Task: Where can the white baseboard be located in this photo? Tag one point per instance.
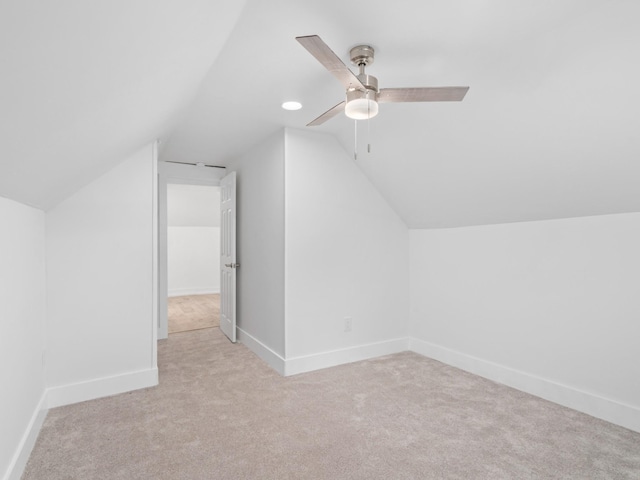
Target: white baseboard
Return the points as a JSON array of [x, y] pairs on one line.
[[101, 387], [274, 360], [28, 441], [308, 363], [181, 292], [612, 411]]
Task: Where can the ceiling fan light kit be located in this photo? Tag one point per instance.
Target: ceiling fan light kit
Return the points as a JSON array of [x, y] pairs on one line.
[[362, 92], [361, 105]]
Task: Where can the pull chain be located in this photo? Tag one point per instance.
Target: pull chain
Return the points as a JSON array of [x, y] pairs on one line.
[[369, 126], [355, 140]]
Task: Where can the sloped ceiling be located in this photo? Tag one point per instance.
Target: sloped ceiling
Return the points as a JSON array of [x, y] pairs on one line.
[[85, 82], [547, 130]]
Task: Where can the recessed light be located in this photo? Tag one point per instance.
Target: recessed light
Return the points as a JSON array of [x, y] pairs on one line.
[[292, 105]]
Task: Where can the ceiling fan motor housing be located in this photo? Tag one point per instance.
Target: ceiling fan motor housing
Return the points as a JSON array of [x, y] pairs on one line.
[[369, 81]]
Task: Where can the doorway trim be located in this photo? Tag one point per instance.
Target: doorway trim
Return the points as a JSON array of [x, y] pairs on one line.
[[183, 174]]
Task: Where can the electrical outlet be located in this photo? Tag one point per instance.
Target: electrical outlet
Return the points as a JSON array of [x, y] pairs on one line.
[[347, 324]]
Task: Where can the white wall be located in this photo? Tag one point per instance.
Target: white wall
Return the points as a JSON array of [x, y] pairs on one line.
[[193, 260], [99, 285], [193, 205], [193, 235], [549, 307], [346, 256], [260, 248], [22, 320]]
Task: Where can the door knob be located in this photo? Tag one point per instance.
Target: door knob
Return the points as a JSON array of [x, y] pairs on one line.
[[232, 265]]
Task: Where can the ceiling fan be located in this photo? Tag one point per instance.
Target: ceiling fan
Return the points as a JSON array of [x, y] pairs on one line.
[[362, 92]]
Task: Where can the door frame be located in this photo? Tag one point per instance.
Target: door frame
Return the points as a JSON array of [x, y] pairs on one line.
[[182, 174]]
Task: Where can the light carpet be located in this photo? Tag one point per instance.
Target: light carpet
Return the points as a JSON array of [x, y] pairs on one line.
[[192, 312], [221, 413]]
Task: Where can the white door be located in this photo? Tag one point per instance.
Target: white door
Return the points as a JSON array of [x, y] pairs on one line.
[[228, 263]]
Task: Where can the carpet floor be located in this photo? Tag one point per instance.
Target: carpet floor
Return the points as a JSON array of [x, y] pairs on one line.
[[192, 312], [221, 413]]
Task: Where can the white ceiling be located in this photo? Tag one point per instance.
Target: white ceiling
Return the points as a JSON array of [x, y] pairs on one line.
[[85, 82], [549, 128]]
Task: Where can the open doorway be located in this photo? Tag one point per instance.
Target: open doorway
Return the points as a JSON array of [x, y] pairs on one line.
[[170, 173], [193, 257]]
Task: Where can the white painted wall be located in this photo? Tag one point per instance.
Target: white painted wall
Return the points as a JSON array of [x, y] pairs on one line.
[[549, 307], [99, 285], [22, 320], [260, 247], [193, 236], [346, 255], [193, 205], [193, 260]]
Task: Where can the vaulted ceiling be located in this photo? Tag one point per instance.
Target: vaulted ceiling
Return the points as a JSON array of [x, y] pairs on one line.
[[85, 82], [547, 130]]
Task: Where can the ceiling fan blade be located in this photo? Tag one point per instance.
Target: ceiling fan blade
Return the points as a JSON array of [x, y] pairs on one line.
[[316, 47], [329, 114], [425, 94]]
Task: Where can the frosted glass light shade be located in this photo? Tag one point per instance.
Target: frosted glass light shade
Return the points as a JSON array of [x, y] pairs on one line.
[[361, 109], [361, 105]]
